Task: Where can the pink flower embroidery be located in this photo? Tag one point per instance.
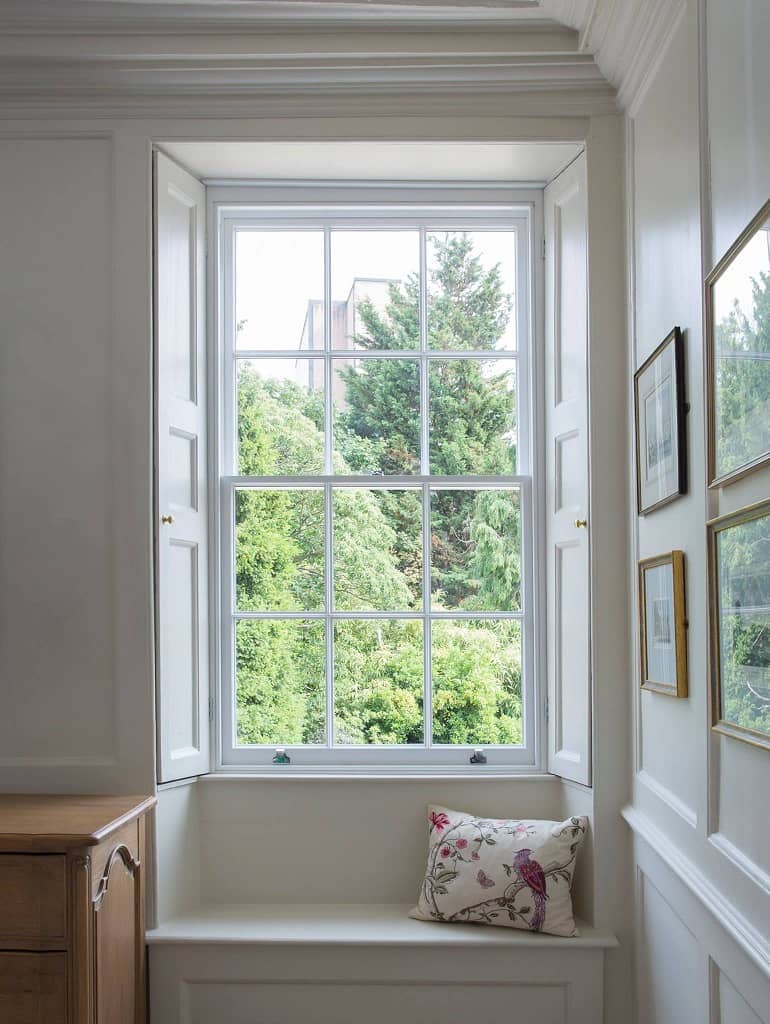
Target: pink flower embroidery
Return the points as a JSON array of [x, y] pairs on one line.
[[445, 851], [438, 820], [461, 844], [523, 830], [475, 856]]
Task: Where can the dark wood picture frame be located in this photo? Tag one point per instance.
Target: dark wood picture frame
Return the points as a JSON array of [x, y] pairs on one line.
[[674, 338], [714, 479], [714, 527], [676, 560]]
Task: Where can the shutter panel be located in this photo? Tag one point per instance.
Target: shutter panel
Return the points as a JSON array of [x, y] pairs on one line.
[[566, 379], [181, 490]]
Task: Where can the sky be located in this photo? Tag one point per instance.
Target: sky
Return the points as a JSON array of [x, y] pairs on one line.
[[735, 283], [277, 272]]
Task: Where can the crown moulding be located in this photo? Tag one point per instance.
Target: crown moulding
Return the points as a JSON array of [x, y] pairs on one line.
[[110, 51], [130, 15]]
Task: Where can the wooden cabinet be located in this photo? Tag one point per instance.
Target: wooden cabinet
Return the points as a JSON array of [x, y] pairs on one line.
[[72, 909]]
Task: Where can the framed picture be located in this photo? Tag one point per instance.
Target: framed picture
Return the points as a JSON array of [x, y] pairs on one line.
[[663, 624], [661, 448], [739, 623], [738, 355]]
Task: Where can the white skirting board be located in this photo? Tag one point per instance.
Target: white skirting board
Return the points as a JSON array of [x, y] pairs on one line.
[[353, 964]]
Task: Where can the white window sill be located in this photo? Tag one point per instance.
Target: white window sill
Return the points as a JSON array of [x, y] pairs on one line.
[[385, 775], [350, 924], [359, 775]]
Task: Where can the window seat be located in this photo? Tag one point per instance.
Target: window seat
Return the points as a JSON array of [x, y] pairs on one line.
[[348, 963], [341, 924]]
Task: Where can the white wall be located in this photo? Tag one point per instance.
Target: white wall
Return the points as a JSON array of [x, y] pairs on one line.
[[337, 841], [700, 801], [74, 482], [81, 688]]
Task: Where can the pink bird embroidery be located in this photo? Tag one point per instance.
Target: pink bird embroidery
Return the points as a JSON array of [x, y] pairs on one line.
[[532, 875]]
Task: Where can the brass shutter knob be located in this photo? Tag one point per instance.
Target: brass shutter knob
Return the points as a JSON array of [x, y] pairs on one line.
[[167, 520], [581, 524]]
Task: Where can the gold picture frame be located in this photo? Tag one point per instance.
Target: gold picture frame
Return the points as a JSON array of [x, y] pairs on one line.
[[719, 475], [663, 624], [746, 585]]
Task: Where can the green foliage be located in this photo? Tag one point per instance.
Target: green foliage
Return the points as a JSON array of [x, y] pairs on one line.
[[475, 535], [743, 426], [280, 696], [744, 572], [743, 380], [476, 682], [378, 682]]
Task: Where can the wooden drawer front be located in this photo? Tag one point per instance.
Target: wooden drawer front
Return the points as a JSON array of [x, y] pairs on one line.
[[33, 899], [33, 988]]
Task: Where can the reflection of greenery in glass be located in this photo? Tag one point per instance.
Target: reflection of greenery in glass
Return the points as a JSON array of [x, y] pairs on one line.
[[378, 681], [476, 681], [280, 689], [743, 380], [475, 535], [744, 598]]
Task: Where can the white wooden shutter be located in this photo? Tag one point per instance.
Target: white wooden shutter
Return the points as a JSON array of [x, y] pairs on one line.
[[568, 581], [181, 474]]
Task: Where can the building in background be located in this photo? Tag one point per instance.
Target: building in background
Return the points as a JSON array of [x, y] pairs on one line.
[[346, 327]]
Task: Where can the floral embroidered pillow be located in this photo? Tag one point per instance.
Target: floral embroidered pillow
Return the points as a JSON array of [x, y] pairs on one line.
[[517, 874]]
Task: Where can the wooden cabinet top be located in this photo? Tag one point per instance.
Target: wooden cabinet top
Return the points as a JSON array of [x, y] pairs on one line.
[[41, 822]]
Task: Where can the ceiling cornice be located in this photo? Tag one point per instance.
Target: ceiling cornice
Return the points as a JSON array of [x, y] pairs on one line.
[[626, 38], [110, 52], [217, 15]]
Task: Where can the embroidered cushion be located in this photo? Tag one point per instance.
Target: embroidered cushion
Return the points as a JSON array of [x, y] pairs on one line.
[[517, 874]]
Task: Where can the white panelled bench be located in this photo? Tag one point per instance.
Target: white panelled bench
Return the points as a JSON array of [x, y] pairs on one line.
[[366, 964]]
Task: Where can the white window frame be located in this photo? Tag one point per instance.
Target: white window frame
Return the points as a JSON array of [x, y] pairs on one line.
[[471, 207]]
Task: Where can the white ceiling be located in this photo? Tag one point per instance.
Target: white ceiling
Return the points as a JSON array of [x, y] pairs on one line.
[[375, 161]]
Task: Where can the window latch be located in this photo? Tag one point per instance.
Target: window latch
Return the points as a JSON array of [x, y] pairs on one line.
[[478, 756], [280, 756]]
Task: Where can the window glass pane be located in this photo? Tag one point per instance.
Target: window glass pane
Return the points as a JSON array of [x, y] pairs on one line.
[[280, 417], [280, 690], [476, 681], [377, 549], [378, 673], [471, 290], [375, 289], [472, 413], [279, 550], [376, 416], [475, 550], [279, 290]]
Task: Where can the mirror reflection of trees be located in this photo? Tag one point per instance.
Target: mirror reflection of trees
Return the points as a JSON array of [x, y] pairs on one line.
[[475, 534], [742, 340], [744, 577]]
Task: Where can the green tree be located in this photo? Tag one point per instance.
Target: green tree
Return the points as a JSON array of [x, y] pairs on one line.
[[471, 411], [279, 563], [475, 536], [743, 432], [743, 380]]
